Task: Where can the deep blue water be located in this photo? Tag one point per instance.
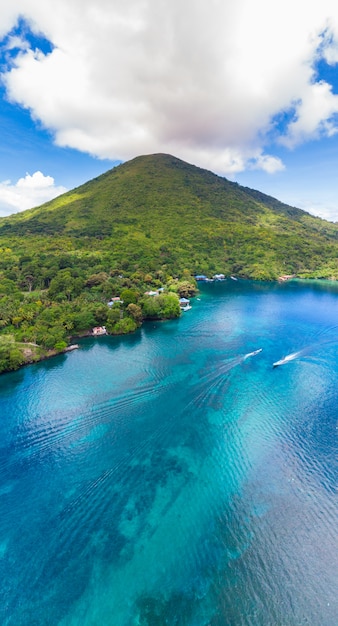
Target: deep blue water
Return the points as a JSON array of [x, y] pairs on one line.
[[164, 479]]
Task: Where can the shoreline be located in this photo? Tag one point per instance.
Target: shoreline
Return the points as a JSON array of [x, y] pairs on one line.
[[43, 357], [47, 354]]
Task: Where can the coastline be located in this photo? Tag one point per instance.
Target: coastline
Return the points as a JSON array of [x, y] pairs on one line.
[[31, 358], [41, 354]]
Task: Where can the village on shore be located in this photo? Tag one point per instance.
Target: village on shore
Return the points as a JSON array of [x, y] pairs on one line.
[[183, 301], [121, 314]]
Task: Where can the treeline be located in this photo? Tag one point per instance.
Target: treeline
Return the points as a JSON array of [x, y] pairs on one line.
[[44, 304], [150, 224], [56, 288]]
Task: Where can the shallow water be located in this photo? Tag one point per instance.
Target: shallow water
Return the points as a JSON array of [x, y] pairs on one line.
[[164, 478]]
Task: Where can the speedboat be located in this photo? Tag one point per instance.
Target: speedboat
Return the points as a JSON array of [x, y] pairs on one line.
[[253, 353], [286, 359]]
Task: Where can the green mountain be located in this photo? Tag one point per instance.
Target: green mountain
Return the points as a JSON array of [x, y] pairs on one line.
[[90, 257], [157, 211]]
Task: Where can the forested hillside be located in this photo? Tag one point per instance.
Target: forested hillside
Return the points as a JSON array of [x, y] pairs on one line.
[[153, 222]]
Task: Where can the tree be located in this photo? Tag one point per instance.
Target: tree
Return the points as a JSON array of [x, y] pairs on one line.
[[84, 320], [165, 306], [185, 289], [122, 327], [16, 357], [8, 287], [114, 314], [28, 282], [150, 307], [64, 286], [100, 313], [169, 306], [60, 346], [129, 296], [96, 279], [135, 311]]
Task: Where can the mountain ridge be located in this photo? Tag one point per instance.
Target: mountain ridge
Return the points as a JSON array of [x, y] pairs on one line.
[[157, 202], [123, 247]]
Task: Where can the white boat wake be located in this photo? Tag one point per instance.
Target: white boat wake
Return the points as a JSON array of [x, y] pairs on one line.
[[289, 357], [324, 339], [246, 356]]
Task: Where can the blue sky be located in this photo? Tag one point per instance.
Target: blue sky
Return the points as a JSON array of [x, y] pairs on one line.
[[240, 90]]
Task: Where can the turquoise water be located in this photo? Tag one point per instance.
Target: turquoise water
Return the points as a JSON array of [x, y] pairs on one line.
[[164, 478]]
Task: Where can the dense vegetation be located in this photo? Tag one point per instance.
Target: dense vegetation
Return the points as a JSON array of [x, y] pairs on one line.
[[151, 223]]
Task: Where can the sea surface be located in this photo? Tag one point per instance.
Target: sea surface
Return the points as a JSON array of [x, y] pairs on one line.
[[170, 478]]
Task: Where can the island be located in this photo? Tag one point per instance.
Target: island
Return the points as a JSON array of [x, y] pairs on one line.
[[132, 244]]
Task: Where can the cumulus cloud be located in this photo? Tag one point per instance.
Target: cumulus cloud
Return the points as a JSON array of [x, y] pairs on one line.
[[316, 115], [27, 192], [267, 163], [205, 80]]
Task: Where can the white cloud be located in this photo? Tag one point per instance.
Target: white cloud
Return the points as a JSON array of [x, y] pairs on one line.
[[315, 206], [315, 115], [202, 80], [27, 192], [267, 163], [16, 42], [328, 212]]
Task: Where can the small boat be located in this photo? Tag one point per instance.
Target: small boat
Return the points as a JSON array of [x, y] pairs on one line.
[[233, 278], [280, 362], [286, 359]]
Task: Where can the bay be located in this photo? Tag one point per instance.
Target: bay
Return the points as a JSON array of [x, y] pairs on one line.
[[170, 477]]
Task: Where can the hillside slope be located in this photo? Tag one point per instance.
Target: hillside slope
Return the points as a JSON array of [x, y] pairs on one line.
[[159, 211]]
